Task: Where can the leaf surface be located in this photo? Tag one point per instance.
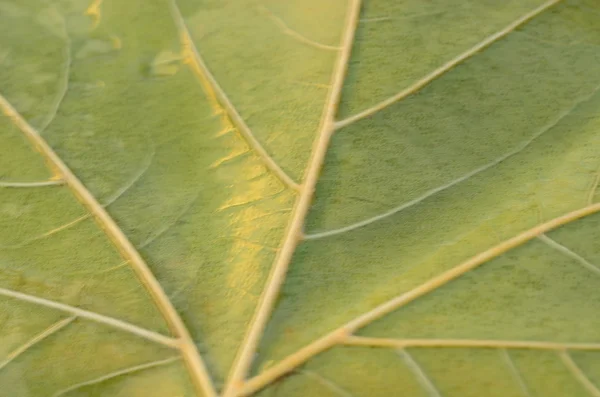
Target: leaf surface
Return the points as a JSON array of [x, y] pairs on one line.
[[341, 198]]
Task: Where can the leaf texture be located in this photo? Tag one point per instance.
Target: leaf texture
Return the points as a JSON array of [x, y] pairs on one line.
[[302, 198]]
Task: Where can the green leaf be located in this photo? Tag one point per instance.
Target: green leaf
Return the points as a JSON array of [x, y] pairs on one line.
[[302, 198]]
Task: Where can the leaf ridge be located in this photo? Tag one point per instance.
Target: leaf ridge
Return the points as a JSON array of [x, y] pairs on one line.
[[518, 149], [293, 234], [96, 317], [112, 375], [340, 334], [221, 102], [52, 329], [447, 66], [421, 375], [186, 344], [578, 374]]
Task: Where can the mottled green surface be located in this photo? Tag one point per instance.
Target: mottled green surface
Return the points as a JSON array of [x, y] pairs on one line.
[[504, 141]]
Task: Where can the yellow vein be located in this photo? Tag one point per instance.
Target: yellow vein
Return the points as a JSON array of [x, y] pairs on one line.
[[566, 251], [50, 182], [467, 343], [57, 326], [340, 334], [115, 374], [416, 369], [293, 234], [96, 317], [447, 66], [187, 346], [518, 149], [214, 90], [292, 33], [578, 373], [515, 371]]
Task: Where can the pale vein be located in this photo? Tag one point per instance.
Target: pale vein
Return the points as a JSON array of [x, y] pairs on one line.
[[62, 91], [419, 373], [96, 317], [456, 181], [578, 374], [326, 382], [57, 326], [566, 251], [515, 371], [296, 35], [112, 375], [447, 66]]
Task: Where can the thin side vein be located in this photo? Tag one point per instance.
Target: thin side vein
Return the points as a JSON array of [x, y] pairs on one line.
[[326, 382], [447, 66], [518, 149], [566, 251], [421, 375], [292, 33], [213, 89], [96, 317], [57, 326], [578, 374], [515, 371], [64, 85], [115, 374]]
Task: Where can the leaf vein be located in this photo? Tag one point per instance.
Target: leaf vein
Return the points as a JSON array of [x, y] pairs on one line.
[[57, 326], [421, 375], [96, 317], [293, 234], [516, 373], [221, 101], [186, 345], [578, 373], [115, 374], [518, 149], [566, 251], [447, 66], [294, 34], [326, 382], [340, 334], [50, 182]]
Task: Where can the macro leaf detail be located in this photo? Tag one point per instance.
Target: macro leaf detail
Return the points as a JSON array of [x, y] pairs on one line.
[[301, 198]]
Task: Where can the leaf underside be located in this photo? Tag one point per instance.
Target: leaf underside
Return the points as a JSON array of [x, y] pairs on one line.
[[449, 247]]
